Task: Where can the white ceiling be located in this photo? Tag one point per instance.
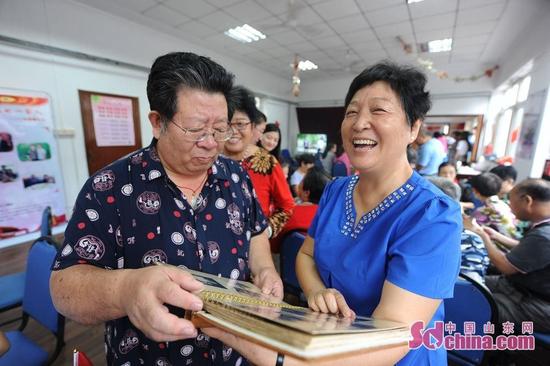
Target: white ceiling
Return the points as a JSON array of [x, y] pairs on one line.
[[341, 36]]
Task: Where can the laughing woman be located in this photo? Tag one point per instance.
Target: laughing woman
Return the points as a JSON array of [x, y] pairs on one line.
[[384, 243], [264, 169]]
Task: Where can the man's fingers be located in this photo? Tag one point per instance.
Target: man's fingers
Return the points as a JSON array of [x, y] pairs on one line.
[[278, 291], [173, 294], [164, 326], [184, 279]]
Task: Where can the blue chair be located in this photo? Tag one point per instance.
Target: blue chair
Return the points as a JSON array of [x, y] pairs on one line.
[[11, 288], [46, 224], [339, 169], [472, 302], [13, 284], [37, 303], [290, 246]]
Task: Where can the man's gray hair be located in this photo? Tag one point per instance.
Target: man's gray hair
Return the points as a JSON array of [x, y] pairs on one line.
[[448, 187]]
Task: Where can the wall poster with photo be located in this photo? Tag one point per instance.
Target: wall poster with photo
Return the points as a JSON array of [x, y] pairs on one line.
[[30, 174], [531, 124]]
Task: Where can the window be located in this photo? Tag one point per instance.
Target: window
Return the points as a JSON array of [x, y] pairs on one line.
[[524, 89], [508, 109]]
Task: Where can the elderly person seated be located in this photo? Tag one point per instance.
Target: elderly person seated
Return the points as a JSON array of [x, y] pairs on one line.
[[522, 292], [475, 260]]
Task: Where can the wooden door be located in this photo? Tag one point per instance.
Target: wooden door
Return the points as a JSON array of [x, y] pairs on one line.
[[115, 118]]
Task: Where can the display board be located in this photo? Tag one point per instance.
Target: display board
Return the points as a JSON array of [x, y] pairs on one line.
[[30, 174]]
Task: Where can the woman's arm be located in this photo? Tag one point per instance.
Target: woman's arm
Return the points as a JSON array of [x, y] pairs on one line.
[[282, 201], [319, 298], [306, 271], [4, 343]]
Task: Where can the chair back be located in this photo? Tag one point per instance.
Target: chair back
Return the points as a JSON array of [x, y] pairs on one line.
[[37, 301], [290, 246], [339, 169], [472, 302], [285, 155], [46, 223]]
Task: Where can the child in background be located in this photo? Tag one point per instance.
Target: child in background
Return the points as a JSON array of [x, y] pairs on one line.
[[305, 162], [309, 191], [447, 170]]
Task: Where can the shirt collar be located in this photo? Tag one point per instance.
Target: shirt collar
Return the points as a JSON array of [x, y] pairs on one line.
[[153, 169]]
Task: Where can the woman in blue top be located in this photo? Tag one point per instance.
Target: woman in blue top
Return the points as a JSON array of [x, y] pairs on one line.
[[384, 243]]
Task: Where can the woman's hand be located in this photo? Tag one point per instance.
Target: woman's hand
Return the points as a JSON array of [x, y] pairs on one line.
[[329, 300]]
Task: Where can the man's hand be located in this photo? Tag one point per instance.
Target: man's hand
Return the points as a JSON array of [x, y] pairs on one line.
[[493, 234], [471, 224], [269, 281], [144, 293], [329, 300]]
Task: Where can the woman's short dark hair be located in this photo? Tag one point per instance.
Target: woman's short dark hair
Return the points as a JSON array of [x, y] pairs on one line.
[[314, 182], [260, 117], [406, 81], [178, 70], [272, 127], [487, 184], [505, 172], [538, 189], [242, 100]]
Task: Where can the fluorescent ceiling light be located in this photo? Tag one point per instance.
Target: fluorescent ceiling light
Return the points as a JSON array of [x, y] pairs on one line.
[[440, 45], [245, 34], [414, 1], [307, 65]]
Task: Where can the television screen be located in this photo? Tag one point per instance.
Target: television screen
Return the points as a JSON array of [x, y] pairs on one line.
[[311, 143]]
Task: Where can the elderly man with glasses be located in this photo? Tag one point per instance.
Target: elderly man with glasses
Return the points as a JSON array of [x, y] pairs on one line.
[[176, 202]]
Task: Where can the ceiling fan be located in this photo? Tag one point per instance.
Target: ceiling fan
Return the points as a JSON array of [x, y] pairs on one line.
[[291, 20], [352, 65]]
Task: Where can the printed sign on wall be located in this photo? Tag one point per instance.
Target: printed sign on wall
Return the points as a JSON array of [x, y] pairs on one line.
[[30, 175]]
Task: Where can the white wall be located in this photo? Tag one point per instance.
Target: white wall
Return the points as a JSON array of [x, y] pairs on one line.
[[533, 45], [277, 111], [77, 27], [448, 97]]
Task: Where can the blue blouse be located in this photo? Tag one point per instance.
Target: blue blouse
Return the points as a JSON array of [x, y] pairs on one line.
[[131, 215], [411, 239]]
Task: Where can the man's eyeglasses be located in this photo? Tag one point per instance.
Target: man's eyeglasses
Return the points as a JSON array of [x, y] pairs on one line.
[[200, 134]]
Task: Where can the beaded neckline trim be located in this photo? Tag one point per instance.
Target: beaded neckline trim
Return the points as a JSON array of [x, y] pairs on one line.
[[348, 228]]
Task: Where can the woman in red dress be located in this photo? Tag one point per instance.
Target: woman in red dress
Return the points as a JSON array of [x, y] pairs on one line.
[[268, 179]]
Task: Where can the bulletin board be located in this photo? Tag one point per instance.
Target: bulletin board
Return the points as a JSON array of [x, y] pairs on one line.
[[30, 174], [111, 127]]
